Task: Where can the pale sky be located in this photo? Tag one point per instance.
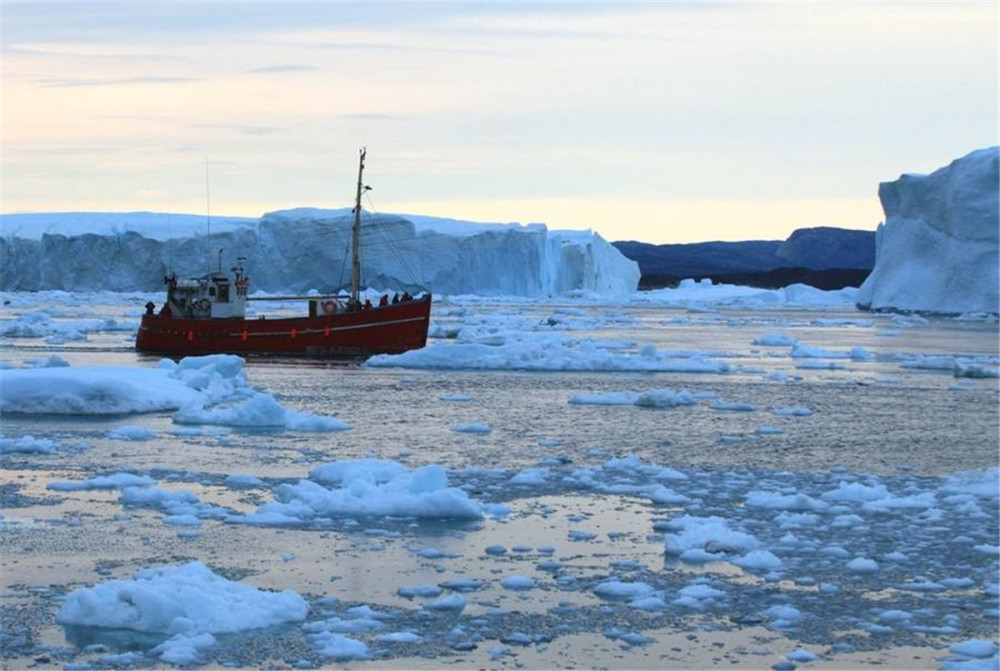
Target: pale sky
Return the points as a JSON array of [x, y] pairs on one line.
[[655, 121]]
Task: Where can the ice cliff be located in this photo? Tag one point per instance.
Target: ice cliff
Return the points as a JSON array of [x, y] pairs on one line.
[[938, 250], [302, 249]]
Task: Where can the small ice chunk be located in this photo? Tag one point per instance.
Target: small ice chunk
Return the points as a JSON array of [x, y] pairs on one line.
[[802, 655], [862, 565], [793, 412], [335, 646], [136, 433], [400, 637], [774, 340], [974, 647], [452, 603], [474, 427], [423, 591], [517, 582], [758, 560], [614, 589], [456, 398], [733, 406], [119, 480]]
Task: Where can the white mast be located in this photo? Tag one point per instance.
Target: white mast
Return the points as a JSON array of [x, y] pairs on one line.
[[356, 246]]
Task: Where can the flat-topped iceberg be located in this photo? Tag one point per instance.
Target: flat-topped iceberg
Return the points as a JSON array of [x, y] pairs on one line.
[[302, 249]]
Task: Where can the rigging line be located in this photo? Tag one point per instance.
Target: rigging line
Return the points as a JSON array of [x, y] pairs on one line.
[[343, 267], [208, 222], [394, 247]]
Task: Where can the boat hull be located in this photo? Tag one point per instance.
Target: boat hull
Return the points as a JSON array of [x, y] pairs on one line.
[[390, 329]]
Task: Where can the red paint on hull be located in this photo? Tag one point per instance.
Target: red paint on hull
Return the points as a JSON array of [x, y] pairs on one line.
[[390, 329]]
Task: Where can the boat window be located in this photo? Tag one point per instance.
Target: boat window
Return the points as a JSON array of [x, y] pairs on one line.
[[223, 293], [211, 291]]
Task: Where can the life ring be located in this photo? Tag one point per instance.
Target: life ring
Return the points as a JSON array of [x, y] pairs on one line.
[[329, 307], [204, 305]]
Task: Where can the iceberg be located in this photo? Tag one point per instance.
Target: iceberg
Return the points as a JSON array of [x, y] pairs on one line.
[[939, 248], [305, 248]]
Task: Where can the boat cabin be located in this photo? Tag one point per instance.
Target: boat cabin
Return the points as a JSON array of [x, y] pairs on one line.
[[213, 296]]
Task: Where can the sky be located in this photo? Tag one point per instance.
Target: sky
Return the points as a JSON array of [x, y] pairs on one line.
[[653, 121]]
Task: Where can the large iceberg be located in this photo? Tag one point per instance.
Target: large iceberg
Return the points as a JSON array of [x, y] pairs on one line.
[[303, 249], [938, 248]]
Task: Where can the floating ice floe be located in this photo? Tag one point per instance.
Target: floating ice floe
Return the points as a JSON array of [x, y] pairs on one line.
[[704, 292], [369, 488], [260, 411], [793, 412], [774, 340], [136, 433], [733, 406], [698, 596], [705, 538], [615, 589], [960, 366], [546, 352], [188, 602], [27, 445], [114, 481], [472, 428], [758, 560], [800, 351], [43, 324], [110, 390], [654, 398], [456, 398], [54, 361], [517, 582]]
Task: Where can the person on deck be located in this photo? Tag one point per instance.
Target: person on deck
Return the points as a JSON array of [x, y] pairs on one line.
[[384, 301], [368, 304], [395, 298], [406, 297]]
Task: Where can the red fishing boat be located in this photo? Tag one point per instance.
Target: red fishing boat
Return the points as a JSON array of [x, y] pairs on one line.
[[207, 315]]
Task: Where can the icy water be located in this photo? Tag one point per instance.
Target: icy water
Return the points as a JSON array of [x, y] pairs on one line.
[[880, 555]]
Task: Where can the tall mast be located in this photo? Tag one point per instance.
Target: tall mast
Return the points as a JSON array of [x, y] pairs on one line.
[[356, 242]]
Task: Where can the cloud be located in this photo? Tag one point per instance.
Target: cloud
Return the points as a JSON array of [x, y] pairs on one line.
[[369, 116], [123, 81], [282, 68], [44, 51], [389, 47], [240, 128]]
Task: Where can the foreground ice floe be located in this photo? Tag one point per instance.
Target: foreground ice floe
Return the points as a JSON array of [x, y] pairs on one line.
[[107, 390], [202, 389], [368, 488], [189, 603], [27, 445]]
